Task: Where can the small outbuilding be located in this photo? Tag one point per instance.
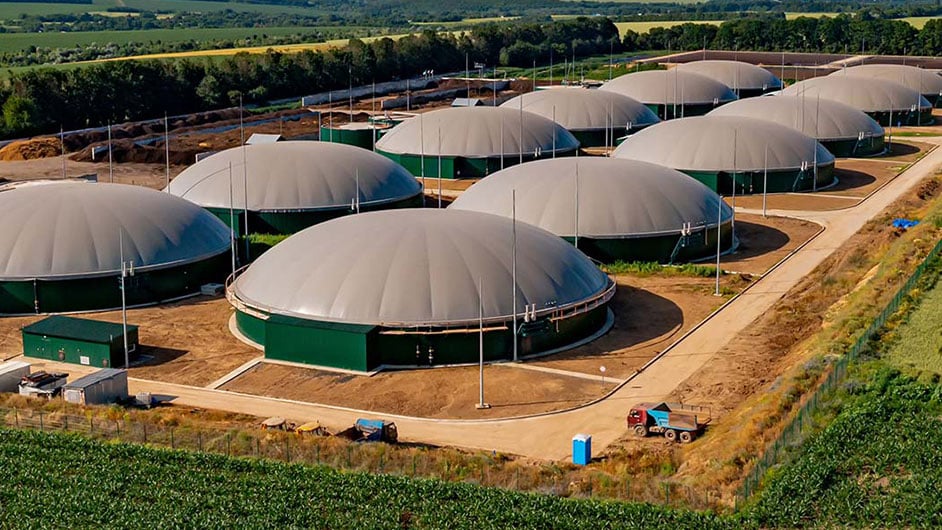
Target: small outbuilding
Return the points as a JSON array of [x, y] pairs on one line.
[[882, 100], [841, 129], [79, 341], [473, 142], [672, 93], [359, 134], [595, 117], [624, 209], [746, 80], [926, 82], [105, 386], [730, 153]]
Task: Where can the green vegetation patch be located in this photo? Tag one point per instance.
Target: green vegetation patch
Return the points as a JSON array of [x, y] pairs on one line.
[[89, 484], [648, 268], [878, 463], [918, 344]]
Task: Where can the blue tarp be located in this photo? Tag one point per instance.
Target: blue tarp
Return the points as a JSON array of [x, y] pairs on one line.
[[899, 222]]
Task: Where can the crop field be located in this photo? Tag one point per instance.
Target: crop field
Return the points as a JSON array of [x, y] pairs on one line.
[[12, 42], [919, 22], [878, 462], [916, 22], [11, 10], [118, 485], [917, 346], [643, 27], [466, 22]]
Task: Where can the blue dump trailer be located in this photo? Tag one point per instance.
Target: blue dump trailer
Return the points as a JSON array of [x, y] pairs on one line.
[[677, 421]]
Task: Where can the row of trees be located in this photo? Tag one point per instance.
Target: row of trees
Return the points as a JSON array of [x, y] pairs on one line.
[[840, 34], [41, 100]]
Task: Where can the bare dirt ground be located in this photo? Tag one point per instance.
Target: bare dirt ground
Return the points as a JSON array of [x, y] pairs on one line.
[[763, 242], [857, 178], [433, 393], [187, 342]]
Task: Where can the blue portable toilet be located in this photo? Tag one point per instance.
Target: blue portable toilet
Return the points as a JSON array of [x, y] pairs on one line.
[[581, 449]]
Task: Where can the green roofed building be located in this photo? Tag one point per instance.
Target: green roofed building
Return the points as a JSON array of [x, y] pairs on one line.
[[290, 186], [400, 288], [473, 142], [595, 117], [79, 341], [628, 210], [841, 129], [672, 93], [727, 151], [62, 244]]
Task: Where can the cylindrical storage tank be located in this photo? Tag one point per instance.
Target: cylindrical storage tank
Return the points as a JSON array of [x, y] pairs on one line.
[[358, 134], [841, 129], [595, 117], [473, 142], [722, 150], [672, 93], [879, 98], [746, 80], [400, 288], [62, 245], [293, 185], [627, 210], [926, 82]]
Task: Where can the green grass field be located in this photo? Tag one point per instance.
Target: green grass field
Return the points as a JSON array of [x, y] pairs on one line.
[[918, 344], [12, 42], [916, 22], [11, 10], [643, 27]]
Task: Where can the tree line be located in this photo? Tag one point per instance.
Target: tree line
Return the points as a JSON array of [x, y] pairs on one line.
[[42, 100], [860, 33]]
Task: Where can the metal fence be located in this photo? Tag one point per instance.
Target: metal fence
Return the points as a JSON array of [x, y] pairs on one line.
[[793, 433]]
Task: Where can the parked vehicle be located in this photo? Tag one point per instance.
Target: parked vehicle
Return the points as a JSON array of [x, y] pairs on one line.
[[677, 421], [371, 431]]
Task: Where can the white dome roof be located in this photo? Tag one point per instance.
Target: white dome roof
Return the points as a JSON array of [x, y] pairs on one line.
[[670, 86], [580, 109], [823, 119]]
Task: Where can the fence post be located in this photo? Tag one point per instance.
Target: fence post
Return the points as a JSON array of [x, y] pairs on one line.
[[317, 453], [42, 427], [117, 427], [172, 445], [144, 425], [257, 446], [65, 422], [287, 449], [199, 440], [91, 425], [228, 444], [414, 456], [16, 418]]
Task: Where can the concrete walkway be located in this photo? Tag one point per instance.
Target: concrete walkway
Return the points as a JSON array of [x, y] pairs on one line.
[[549, 436]]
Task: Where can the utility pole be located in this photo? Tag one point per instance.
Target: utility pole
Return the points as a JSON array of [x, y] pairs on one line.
[[167, 148], [481, 404], [125, 265], [232, 224], [62, 148], [765, 181], [110, 158], [513, 216], [719, 239]]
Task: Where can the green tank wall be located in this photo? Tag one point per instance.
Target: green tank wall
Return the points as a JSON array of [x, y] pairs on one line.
[[750, 182], [661, 249], [92, 294], [358, 137], [870, 146], [687, 110], [365, 348], [460, 167], [923, 117], [291, 222], [72, 350]]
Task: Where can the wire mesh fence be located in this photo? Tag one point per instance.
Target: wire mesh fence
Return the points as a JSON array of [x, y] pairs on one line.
[[794, 432]]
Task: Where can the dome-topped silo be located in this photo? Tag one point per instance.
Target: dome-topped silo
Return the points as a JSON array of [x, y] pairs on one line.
[[672, 93], [746, 80]]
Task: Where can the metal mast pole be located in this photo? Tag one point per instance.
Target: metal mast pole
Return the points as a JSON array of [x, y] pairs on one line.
[[719, 238], [110, 158], [513, 216], [124, 307], [765, 181], [62, 147], [373, 115], [520, 140], [576, 220], [439, 165], [502, 140], [167, 148], [735, 168], [356, 198], [245, 198], [232, 238], [422, 154], [481, 404], [554, 132]]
